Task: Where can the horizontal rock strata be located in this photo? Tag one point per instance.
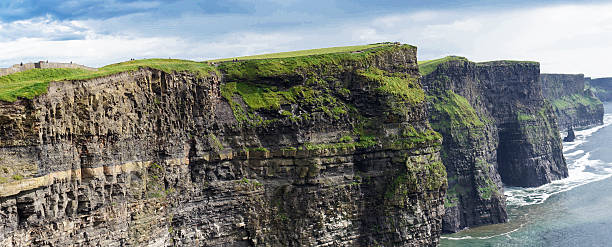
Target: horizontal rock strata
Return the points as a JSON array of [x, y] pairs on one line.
[[574, 104], [312, 151]]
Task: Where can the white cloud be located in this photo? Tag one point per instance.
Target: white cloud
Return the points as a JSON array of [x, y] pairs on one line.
[[564, 38]]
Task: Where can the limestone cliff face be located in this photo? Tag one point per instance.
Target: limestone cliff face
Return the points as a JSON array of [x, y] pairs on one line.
[[317, 152], [575, 106], [529, 152], [496, 127], [475, 195], [602, 87]]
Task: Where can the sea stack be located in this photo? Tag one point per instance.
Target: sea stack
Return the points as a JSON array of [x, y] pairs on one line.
[[570, 135]]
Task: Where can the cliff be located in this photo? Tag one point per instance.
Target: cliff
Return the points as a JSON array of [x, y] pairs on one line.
[[602, 87], [575, 106], [496, 127], [325, 150]]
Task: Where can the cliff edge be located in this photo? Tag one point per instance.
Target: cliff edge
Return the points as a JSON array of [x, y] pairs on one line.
[[332, 149]]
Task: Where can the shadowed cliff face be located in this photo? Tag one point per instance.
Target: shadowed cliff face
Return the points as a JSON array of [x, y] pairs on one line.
[[574, 105], [314, 151], [529, 153], [496, 127], [459, 112]]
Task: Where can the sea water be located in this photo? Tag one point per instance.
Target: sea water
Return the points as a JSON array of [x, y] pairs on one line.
[[576, 211]]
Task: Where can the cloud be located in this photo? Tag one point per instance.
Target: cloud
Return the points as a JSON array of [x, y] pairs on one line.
[[43, 27], [564, 38]]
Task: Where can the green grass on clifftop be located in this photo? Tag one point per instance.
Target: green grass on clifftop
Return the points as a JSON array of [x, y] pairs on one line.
[[34, 82], [574, 100], [31, 83], [428, 66], [507, 62], [288, 68], [341, 49]]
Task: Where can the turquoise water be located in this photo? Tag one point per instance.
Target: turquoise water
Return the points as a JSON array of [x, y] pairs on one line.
[[576, 211]]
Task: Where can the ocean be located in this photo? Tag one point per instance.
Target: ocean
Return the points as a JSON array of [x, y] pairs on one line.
[[576, 211]]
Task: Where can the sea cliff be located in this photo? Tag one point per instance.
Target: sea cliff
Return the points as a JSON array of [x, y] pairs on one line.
[[497, 128], [324, 150], [574, 104]]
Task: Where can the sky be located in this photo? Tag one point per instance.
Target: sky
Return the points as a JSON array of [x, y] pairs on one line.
[[564, 36]]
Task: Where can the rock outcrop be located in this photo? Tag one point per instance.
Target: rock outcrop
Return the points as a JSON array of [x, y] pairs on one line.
[[570, 136], [575, 106], [496, 127], [329, 150], [602, 87]]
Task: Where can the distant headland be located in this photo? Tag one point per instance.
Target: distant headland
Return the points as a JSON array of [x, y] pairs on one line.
[[40, 65]]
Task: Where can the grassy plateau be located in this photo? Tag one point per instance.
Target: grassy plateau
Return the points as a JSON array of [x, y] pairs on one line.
[[31, 83], [301, 53], [34, 82]]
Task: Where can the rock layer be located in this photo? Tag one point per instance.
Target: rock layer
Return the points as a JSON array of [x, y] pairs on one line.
[[319, 151], [496, 127], [575, 106], [529, 153]]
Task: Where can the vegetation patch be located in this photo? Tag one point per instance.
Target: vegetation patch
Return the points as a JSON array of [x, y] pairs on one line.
[[214, 142], [341, 49], [155, 187], [31, 83], [363, 142], [411, 138], [293, 69], [489, 189], [507, 62], [429, 66], [436, 175], [402, 85], [452, 197], [573, 100], [397, 187], [258, 97], [453, 110], [259, 149], [522, 116]]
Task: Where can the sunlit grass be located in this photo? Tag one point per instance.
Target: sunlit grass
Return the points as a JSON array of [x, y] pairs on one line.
[[303, 52], [34, 82], [31, 83]]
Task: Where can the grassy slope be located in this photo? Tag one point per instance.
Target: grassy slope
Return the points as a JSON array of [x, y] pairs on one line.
[[426, 67], [31, 83], [301, 53], [574, 100]]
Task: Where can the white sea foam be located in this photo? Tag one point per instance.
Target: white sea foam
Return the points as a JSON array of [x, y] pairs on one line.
[[507, 234], [581, 168], [572, 154], [582, 135]]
